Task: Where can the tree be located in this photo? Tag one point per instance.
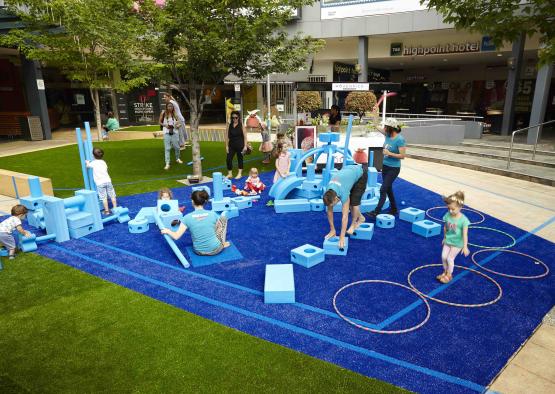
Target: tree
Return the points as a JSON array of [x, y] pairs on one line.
[[92, 41], [197, 43], [308, 101], [360, 102], [503, 20]]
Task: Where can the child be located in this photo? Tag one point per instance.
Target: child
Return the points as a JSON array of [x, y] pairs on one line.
[[455, 238], [283, 162], [253, 184], [9, 225], [102, 179], [165, 193], [281, 138]]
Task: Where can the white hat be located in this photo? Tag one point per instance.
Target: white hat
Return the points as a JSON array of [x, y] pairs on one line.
[[253, 112], [392, 122]]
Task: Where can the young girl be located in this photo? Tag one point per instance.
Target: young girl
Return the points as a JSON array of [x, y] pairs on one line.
[[455, 238], [10, 224], [283, 162]]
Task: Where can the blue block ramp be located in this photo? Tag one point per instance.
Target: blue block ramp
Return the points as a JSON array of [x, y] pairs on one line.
[[230, 253]]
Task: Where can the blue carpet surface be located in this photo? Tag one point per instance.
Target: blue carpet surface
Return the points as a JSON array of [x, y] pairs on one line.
[[458, 350], [228, 254]]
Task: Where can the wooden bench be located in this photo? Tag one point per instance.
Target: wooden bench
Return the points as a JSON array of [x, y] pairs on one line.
[[21, 187]]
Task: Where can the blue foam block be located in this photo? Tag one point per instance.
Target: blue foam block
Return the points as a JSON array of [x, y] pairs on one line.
[[226, 184], [138, 225], [122, 214], [317, 205], [329, 137], [307, 255], [222, 205], [242, 202], [426, 228], [82, 231], [79, 219], [311, 185], [372, 177], [293, 205], [167, 206], [279, 284], [31, 203], [369, 193], [147, 213], [228, 254], [299, 192], [412, 215], [368, 205], [36, 219], [331, 246], [385, 221], [232, 213], [168, 217], [27, 244], [364, 231]]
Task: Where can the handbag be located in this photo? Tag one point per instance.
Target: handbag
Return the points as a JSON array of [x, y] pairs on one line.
[[248, 150]]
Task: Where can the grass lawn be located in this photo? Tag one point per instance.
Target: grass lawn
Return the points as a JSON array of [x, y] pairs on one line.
[[66, 331], [141, 128], [135, 166]]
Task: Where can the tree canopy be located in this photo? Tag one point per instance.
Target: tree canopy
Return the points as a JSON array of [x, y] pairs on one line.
[[503, 20]]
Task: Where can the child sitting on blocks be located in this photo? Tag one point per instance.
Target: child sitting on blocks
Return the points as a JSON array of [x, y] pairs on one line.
[[9, 225], [165, 193], [102, 180]]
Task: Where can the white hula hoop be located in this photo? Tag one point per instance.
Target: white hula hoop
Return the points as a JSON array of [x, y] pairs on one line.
[[463, 208], [454, 303], [508, 275], [382, 331]]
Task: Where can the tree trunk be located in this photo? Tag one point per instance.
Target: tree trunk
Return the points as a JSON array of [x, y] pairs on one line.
[[195, 119], [96, 103]]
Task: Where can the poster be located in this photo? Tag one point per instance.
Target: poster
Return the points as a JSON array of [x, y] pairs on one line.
[[335, 9], [305, 137]]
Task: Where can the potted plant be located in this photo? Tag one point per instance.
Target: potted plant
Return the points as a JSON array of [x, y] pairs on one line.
[[360, 102]]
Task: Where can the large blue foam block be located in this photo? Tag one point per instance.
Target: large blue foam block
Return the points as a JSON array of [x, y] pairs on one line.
[[31, 203], [317, 205], [242, 202], [312, 185], [412, 215], [364, 231], [224, 204], [293, 205], [81, 231], [331, 246], [329, 137], [138, 225], [167, 206], [307, 255], [372, 177], [385, 221], [426, 228], [279, 284], [79, 219], [147, 213]]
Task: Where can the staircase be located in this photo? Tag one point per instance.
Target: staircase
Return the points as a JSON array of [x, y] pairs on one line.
[[491, 156]]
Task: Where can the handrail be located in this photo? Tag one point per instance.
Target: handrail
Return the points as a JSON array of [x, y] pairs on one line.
[[434, 115], [540, 125]]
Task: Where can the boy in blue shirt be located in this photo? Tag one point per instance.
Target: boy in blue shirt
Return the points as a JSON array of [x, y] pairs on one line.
[[347, 186]]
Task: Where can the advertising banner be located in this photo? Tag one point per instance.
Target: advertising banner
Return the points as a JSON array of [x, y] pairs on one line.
[[336, 9]]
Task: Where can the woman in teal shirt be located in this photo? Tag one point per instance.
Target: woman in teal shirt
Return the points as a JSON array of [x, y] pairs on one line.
[[112, 124], [393, 152]]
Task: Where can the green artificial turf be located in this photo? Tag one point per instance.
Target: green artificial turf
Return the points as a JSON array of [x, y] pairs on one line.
[[139, 162], [64, 331], [140, 128]]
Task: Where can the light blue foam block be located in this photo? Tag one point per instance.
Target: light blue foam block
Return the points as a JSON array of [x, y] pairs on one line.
[[311, 185], [293, 205], [228, 254], [329, 137], [364, 231], [372, 177], [279, 284], [317, 205], [307, 255], [79, 219], [426, 228], [167, 206], [147, 213], [224, 204], [331, 246], [138, 225], [385, 221], [242, 202], [412, 215], [81, 231], [31, 203]]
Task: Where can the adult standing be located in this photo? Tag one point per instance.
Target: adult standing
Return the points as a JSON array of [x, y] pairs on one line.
[[335, 118], [235, 144], [253, 123], [347, 186], [170, 124], [182, 133], [394, 150]]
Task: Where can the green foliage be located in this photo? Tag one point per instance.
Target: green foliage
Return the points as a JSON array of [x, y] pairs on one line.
[[504, 20], [308, 101], [360, 102]]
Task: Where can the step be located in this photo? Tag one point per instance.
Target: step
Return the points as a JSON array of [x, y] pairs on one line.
[[505, 146], [492, 153], [527, 172]]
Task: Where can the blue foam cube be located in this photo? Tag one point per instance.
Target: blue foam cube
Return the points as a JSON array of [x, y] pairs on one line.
[[329, 137], [167, 206], [372, 177], [242, 202], [385, 221], [292, 205], [122, 213], [331, 246], [369, 193], [299, 192], [307, 255], [426, 228], [147, 213], [138, 225], [31, 203], [279, 284], [317, 205], [364, 231], [226, 184], [312, 185], [412, 215], [222, 205], [81, 231], [27, 244], [368, 205], [79, 219], [168, 218]]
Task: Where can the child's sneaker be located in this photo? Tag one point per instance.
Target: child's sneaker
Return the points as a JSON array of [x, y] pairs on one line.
[[179, 161], [11, 257]]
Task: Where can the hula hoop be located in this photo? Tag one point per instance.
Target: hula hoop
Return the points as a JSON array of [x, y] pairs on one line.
[[454, 303], [463, 209], [513, 242], [382, 331], [508, 275]]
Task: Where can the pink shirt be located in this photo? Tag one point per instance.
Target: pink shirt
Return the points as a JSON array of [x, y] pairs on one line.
[[282, 164]]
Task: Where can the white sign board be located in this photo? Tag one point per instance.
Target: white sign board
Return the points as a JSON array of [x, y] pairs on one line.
[[280, 107], [40, 84], [349, 86], [237, 87], [336, 9]]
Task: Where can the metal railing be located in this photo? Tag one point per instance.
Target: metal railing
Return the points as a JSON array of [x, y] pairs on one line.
[[540, 127]]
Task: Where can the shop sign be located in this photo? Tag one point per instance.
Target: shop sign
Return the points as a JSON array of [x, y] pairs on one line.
[[349, 87], [463, 47], [344, 72], [487, 44], [396, 49]]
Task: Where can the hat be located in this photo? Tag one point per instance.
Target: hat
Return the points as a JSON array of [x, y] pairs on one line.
[[392, 122], [253, 112]]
